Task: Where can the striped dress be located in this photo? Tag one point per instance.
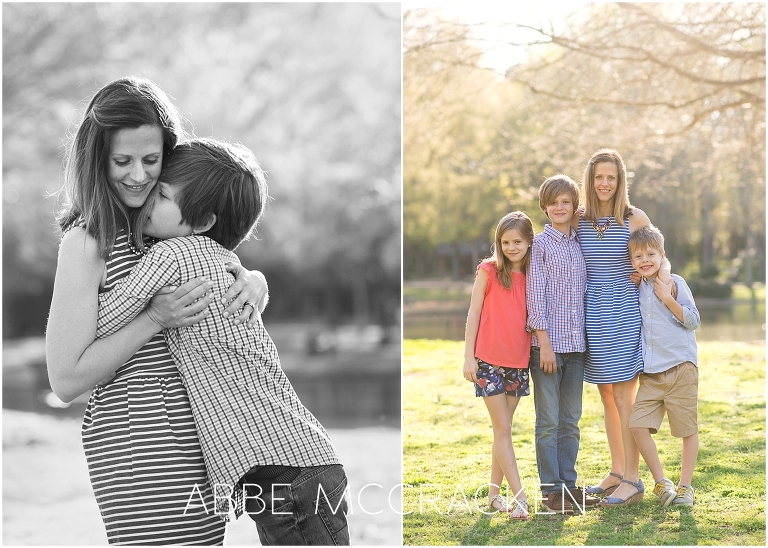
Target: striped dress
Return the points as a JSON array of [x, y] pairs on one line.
[[612, 310], [144, 457]]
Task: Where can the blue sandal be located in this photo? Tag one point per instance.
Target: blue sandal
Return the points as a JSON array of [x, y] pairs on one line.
[[596, 490], [615, 501]]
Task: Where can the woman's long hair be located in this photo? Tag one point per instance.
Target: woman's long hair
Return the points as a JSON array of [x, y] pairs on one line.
[[517, 220], [621, 206], [126, 103]]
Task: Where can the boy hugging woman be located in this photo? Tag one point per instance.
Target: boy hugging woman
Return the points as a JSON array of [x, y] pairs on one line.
[[527, 322]]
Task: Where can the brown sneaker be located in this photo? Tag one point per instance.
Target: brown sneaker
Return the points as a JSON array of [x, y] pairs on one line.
[[582, 498], [555, 503]]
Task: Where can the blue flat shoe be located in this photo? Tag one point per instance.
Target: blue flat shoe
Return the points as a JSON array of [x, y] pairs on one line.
[[596, 490], [615, 501]]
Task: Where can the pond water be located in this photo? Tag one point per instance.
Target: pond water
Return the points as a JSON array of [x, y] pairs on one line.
[[735, 322]]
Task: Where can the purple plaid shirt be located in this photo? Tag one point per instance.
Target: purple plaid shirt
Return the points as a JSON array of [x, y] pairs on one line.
[[554, 290]]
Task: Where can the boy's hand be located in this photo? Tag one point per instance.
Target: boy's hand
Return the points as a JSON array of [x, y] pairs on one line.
[[470, 369], [663, 290], [181, 306], [666, 277], [250, 287], [547, 359]]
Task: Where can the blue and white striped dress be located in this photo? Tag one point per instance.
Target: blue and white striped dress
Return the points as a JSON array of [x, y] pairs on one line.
[[612, 310], [141, 445]]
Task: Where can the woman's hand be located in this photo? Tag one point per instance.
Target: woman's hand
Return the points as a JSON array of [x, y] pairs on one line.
[[250, 287], [181, 306], [470, 369]]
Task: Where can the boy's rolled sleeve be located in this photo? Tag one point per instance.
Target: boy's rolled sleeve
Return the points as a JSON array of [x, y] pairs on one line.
[[691, 318], [536, 289]]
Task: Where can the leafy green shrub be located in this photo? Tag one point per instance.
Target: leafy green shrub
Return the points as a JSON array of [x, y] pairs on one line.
[[711, 288]]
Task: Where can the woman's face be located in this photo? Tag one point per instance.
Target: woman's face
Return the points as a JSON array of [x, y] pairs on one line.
[[135, 161], [606, 180]]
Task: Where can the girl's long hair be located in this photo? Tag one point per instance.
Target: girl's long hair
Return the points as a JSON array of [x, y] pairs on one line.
[[517, 220], [87, 196], [621, 206]]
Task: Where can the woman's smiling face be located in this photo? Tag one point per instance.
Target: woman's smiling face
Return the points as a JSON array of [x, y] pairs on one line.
[[606, 181], [135, 161]]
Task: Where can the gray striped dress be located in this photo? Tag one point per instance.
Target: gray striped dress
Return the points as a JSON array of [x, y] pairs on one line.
[[144, 457], [611, 307]]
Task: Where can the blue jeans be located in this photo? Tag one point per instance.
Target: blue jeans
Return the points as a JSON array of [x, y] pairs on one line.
[[557, 402], [302, 514]]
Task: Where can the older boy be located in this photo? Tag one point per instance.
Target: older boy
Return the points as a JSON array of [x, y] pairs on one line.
[[555, 286], [670, 377], [263, 449]]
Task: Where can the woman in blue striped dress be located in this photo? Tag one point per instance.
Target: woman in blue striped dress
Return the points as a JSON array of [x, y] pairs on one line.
[[614, 355], [144, 458]]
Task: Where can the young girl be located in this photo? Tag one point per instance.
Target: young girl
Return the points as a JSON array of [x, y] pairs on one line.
[[497, 349]]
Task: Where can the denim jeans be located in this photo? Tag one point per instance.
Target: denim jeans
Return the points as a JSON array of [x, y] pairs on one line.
[[303, 514], [557, 402]]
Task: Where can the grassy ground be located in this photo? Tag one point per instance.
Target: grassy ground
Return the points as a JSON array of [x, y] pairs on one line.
[[449, 290], [446, 451]]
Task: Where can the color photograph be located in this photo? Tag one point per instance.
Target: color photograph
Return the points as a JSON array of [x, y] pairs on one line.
[[584, 274]]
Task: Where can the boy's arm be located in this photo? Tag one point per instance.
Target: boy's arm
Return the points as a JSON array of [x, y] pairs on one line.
[[536, 302], [683, 307], [130, 295]]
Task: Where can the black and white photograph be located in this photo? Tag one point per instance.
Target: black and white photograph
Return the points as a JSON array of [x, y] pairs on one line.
[[201, 273]]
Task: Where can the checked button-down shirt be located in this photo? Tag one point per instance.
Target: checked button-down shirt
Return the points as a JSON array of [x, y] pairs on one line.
[[245, 409], [554, 290]]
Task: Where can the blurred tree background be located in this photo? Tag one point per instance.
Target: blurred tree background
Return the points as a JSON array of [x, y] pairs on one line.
[[312, 89], [678, 89]]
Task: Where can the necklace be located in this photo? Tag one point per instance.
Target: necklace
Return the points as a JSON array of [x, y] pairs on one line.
[[600, 229], [148, 243]]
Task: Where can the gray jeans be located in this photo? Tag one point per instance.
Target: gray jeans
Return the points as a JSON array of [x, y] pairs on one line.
[[311, 511]]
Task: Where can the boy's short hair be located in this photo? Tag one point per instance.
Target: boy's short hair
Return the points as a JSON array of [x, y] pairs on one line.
[[645, 237], [216, 177], [554, 187]]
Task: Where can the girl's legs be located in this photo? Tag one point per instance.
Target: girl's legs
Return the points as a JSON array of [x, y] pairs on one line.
[[613, 432], [624, 398], [501, 408]]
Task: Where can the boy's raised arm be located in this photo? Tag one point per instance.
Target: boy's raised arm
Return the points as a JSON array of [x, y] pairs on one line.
[[683, 307], [131, 295]]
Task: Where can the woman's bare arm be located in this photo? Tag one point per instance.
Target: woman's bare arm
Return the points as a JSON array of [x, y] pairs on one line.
[[77, 362]]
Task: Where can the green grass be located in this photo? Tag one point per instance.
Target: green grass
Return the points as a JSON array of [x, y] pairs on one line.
[[413, 294], [447, 441], [453, 292], [742, 293]]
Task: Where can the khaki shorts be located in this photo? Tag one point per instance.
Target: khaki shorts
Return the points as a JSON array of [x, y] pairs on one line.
[[675, 391]]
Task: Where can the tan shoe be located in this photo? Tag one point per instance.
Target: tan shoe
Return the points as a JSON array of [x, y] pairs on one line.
[[665, 490], [684, 496]]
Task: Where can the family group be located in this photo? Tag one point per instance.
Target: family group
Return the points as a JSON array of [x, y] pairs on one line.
[[590, 298]]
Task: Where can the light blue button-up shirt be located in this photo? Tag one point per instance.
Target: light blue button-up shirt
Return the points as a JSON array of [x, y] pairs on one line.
[[666, 341]]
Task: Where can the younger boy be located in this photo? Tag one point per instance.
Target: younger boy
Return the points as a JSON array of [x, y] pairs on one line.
[[263, 449], [670, 376], [555, 286]]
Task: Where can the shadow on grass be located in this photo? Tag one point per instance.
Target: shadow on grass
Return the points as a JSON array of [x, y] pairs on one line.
[[646, 523], [540, 529]]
